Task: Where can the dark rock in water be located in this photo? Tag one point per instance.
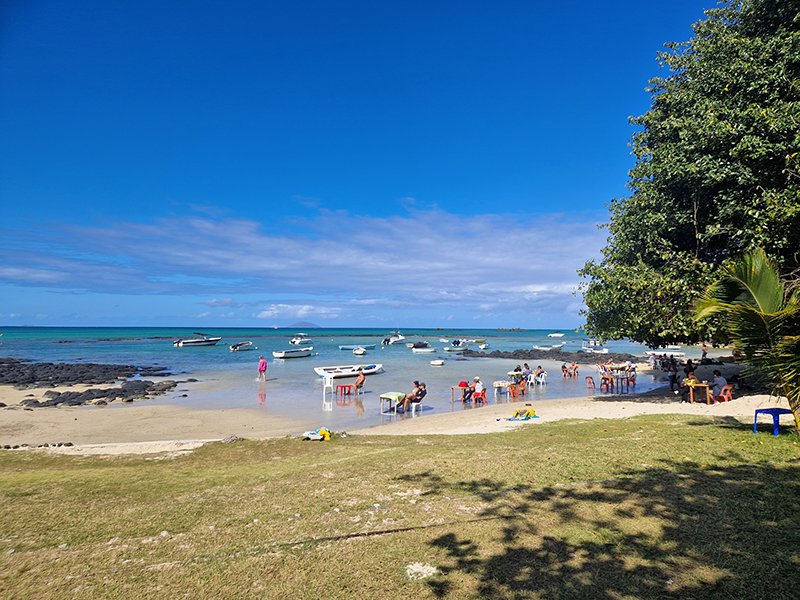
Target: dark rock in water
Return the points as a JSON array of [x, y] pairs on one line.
[[25, 375], [2, 405], [582, 358]]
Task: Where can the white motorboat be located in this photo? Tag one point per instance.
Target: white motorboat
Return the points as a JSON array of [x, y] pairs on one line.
[[417, 345], [294, 353], [300, 339], [203, 340], [594, 347], [437, 363], [394, 337], [354, 346], [241, 346], [454, 348], [425, 350], [555, 334], [347, 370], [483, 346], [359, 351], [549, 348]]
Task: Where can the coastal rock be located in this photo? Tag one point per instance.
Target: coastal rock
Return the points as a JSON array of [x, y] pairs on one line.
[[26, 374], [232, 438]]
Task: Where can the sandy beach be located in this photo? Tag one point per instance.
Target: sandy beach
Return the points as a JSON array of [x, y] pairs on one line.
[[146, 427]]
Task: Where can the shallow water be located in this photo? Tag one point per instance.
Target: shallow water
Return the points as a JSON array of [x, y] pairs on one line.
[[228, 379]]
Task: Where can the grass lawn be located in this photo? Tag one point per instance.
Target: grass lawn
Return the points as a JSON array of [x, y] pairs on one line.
[[646, 507]]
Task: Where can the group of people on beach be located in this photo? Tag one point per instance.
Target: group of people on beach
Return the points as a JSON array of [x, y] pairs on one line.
[[569, 371]]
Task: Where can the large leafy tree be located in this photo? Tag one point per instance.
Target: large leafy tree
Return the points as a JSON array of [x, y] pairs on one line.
[[762, 315], [717, 173]]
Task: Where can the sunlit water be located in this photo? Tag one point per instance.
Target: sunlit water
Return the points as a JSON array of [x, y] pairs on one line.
[[228, 379]]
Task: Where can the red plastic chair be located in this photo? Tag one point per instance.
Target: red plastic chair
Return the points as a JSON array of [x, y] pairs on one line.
[[480, 396], [725, 394]]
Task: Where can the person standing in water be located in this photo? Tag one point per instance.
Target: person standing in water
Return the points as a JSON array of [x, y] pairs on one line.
[[262, 369]]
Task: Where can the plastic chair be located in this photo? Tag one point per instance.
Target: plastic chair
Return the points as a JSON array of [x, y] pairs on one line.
[[725, 394], [512, 391], [480, 396]]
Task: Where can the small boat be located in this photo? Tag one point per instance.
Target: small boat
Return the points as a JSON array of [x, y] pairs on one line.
[[203, 340], [423, 350], [437, 363], [454, 348], [354, 346], [594, 347], [444, 340], [461, 344], [359, 351], [417, 345], [556, 347], [394, 337], [300, 339], [483, 346], [295, 353], [241, 346], [476, 341], [672, 347], [347, 370], [556, 334]]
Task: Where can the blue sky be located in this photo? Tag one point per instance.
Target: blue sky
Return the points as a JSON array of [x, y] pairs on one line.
[[242, 163]]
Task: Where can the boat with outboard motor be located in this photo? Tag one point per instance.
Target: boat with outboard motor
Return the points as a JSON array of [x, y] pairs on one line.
[[203, 340], [294, 353], [241, 346], [394, 337], [300, 339], [593, 347], [354, 346]]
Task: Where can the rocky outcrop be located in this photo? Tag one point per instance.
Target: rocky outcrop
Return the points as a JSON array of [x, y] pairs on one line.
[[24, 374], [129, 391], [18, 372]]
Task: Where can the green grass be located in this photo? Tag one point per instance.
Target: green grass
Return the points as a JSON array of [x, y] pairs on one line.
[[647, 507]]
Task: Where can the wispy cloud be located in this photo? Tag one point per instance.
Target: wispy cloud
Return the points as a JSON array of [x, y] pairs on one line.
[[344, 264]]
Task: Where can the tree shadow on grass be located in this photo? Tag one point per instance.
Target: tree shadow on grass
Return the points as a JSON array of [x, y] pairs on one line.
[[728, 533]]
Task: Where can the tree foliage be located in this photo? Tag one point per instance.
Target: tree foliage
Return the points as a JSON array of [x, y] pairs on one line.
[[717, 173], [762, 315]]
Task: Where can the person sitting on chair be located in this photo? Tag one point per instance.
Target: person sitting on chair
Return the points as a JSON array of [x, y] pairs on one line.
[[719, 383], [475, 387], [686, 388], [417, 397], [359, 381]]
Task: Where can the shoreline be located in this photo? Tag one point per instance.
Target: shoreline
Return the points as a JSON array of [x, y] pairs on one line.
[[146, 427]]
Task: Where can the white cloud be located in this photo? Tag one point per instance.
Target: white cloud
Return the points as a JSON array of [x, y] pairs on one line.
[[341, 265]]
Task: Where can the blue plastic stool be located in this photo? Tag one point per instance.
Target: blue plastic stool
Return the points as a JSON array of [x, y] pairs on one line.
[[776, 413]]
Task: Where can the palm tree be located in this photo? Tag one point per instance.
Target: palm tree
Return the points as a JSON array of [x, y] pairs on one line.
[[762, 316]]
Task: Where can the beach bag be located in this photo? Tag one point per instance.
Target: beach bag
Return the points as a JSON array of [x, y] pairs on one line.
[[463, 384]]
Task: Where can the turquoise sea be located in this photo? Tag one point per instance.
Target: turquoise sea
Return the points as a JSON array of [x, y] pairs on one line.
[[228, 379]]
